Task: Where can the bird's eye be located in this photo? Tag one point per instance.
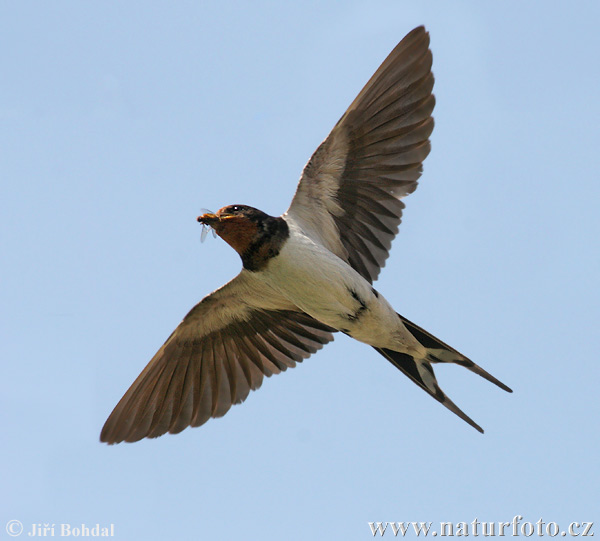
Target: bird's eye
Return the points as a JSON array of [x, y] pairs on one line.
[[235, 208]]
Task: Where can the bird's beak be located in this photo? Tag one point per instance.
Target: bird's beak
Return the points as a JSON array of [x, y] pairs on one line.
[[208, 219]]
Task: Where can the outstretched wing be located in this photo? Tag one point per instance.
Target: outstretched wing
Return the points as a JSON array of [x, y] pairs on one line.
[[220, 352], [350, 190]]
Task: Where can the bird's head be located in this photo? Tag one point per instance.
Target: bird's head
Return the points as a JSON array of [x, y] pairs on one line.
[[237, 225]]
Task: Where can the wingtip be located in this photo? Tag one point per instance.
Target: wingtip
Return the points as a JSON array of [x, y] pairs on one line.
[[102, 438], [418, 29], [108, 441]]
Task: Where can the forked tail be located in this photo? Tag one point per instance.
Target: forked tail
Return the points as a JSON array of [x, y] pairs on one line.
[[420, 371]]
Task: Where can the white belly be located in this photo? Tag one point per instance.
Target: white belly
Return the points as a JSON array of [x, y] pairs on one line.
[[331, 291]]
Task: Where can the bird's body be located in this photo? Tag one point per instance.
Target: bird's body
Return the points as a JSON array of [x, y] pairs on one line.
[[324, 286], [308, 273]]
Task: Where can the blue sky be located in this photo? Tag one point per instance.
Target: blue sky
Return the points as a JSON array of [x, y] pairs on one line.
[[120, 121]]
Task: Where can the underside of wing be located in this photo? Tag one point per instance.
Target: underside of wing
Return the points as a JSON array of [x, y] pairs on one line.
[[350, 190], [219, 353]]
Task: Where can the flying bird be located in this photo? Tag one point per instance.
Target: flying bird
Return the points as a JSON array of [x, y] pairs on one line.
[[308, 273]]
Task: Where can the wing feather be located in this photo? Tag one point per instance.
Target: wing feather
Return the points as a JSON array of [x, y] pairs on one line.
[[349, 193], [221, 350]]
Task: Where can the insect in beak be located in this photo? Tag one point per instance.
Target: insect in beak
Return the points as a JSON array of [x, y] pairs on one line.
[[205, 219]]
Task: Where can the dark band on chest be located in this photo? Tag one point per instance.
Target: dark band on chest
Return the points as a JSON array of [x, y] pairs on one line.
[[272, 234]]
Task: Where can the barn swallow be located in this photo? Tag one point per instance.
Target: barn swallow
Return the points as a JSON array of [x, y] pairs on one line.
[[308, 273]]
